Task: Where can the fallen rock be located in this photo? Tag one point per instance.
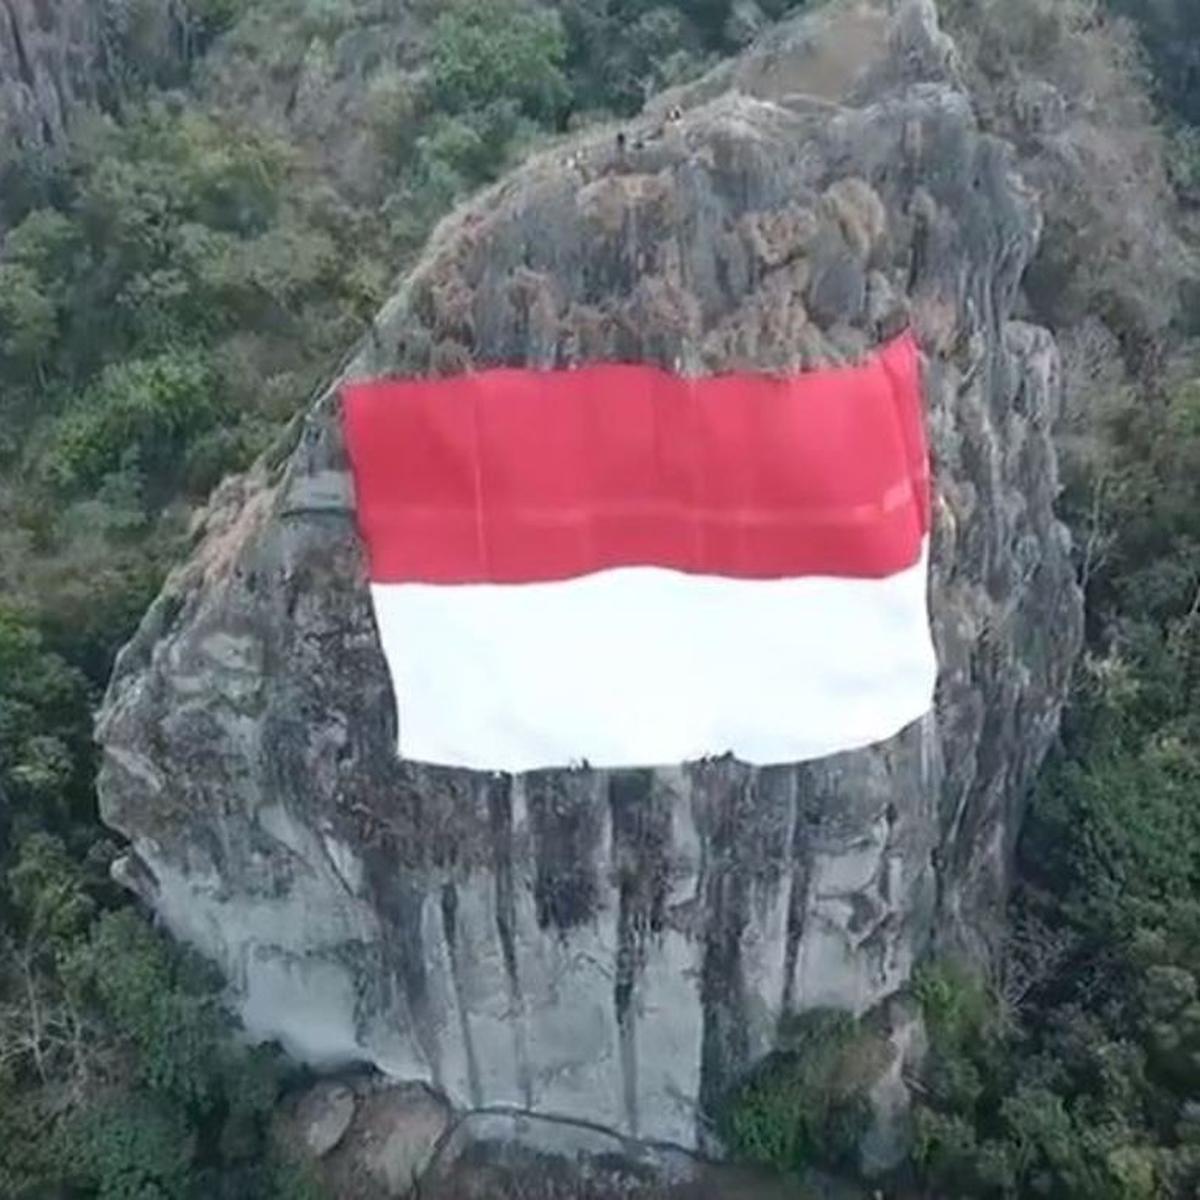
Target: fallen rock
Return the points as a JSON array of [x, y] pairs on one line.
[[396, 1135], [506, 1156], [391, 1140], [326, 1113]]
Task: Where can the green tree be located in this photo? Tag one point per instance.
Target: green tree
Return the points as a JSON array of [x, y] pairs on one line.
[[484, 51], [137, 1149], [28, 319], [45, 731], [146, 410], [1170, 31], [806, 1104]]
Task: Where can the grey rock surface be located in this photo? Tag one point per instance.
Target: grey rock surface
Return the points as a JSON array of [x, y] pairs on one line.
[[509, 1156], [396, 1132], [60, 58], [50, 63], [619, 947], [365, 1137], [323, 1116], [404, 1141]]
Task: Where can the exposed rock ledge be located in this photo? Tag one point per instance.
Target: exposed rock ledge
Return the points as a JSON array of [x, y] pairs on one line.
[[370, 1141]]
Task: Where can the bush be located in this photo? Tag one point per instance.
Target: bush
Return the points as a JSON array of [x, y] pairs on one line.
[[166, 1005], [140, 1086], [1086, 1088], [482, 51], [806, 1104], [132, 1148], [45, 731], [144, 410], [998, 1118], [28, 319], [214, 16], [392, 115], [30, 1165], [1170, 32]]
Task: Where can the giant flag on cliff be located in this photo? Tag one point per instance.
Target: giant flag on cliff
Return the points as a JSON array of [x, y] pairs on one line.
[[622, 566]]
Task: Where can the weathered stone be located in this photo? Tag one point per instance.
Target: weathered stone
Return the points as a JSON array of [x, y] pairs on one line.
[[746, 20], [502, 1156], [393, 1138], [620, 948], [838, 291], [323, 1115], [50, 63], [413, 1125], [59, 58], [365, 1137], [886, 1143]]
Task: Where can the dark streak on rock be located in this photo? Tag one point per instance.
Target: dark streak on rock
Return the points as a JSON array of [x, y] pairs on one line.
[[498, 789], [565, 821], [765, 847], [400, 898], [23, 63], [450, 932], [641, 836], [450, 915], [801, 855], [726, 788]]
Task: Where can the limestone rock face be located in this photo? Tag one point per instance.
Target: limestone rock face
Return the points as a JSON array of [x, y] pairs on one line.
[[60, 57], [620, 947], [50, 61], [506, 1156]]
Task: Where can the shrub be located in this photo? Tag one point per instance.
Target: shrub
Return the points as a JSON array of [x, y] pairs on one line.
[[806, 1103], [166, 1005], [1169, 30], [45, 729], [147, 409], [482, 51], [132, 1148], [28, 318], [29, 1165]]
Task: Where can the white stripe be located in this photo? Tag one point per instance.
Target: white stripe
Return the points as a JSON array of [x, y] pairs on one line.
[[643, 666]]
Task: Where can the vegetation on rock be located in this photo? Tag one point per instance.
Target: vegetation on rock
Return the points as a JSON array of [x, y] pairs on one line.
[[806, 1103]]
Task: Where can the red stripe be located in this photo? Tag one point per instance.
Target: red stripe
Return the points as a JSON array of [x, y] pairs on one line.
[[511, 475]]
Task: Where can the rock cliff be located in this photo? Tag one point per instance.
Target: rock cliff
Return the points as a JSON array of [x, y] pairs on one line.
[[50, 56], [620, 947], [60, 57]]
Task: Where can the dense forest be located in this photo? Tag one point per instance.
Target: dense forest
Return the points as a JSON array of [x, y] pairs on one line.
[[174, 284]]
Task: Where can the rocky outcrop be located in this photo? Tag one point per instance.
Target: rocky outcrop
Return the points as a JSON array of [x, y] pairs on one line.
[[620, 947], [510, 1156], [59, 58], [50, 63], [368, 1140], [1089, 141]]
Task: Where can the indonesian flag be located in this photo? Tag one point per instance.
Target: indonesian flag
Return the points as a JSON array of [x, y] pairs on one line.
[[620, 566]]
